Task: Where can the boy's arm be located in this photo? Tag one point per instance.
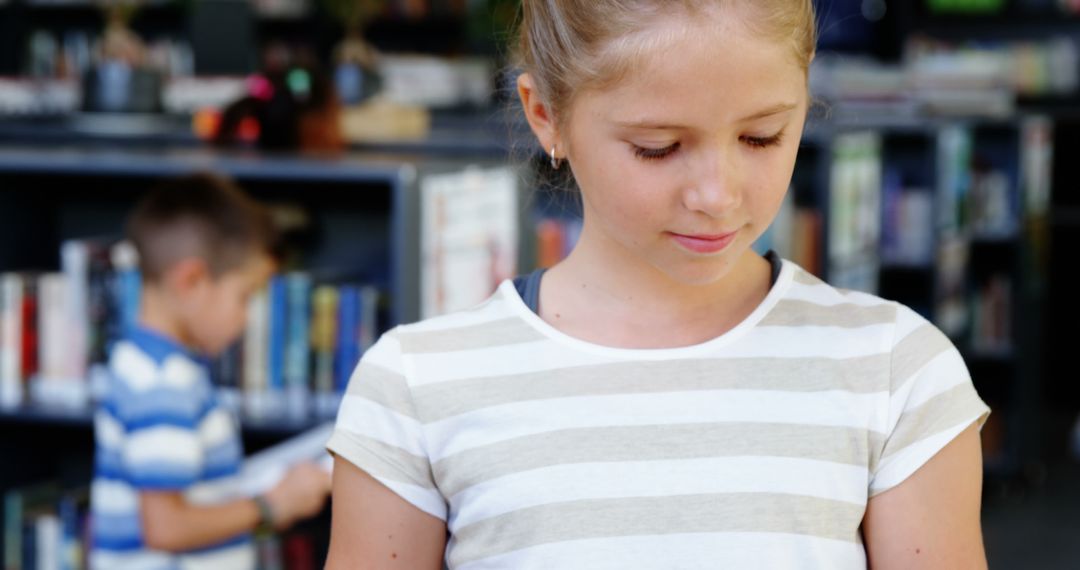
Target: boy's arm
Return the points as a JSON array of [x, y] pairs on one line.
[[171, 524]]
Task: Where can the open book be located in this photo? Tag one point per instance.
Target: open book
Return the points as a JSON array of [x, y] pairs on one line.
[[263, 470]]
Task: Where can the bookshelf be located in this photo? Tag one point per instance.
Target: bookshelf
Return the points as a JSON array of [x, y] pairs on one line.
[[978, 190], [366, 220], [426, 26]]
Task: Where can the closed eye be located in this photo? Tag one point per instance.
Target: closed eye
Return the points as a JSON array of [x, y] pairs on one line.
[[655, 153], [763, 142]]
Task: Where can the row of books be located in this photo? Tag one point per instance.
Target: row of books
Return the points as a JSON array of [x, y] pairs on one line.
[[300, 347], [855, 197], [990, 211], [71, 54], [907, 222], [46, 527], [409, 9], [796, 235], [991, 317], [941, 78], [302, 341], [555, 239], [1023, 7]]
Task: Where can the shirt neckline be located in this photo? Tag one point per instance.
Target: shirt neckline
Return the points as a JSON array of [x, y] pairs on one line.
[[522, 311], [160, 346]]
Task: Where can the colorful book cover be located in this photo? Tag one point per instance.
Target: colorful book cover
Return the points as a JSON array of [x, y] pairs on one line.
[[297, 364], [125, 262], [256, 343], [11, 328], [323, 342], [369, 317], [348, 338]]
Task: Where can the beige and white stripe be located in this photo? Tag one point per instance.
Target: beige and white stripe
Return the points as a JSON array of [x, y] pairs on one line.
[[544, 451]]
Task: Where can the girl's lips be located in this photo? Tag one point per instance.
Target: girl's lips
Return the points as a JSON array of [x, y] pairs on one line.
[[704, 243]]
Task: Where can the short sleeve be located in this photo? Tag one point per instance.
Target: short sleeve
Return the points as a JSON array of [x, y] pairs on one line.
[[160, 408], [931, 401], [378, 429]]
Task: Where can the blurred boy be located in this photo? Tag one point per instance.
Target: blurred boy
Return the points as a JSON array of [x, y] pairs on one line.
[[165, 444]]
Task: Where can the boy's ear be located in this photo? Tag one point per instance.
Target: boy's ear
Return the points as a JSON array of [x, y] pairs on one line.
[[187, 275], [539, 115]]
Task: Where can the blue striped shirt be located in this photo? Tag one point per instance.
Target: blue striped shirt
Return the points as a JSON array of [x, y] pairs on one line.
[[160, 427]]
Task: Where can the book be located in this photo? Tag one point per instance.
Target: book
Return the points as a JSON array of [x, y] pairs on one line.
[[128, 283], [256, 359], [277, 323], [46, 527], [56, 383], [293, 360], [75, 265], [324, 337], [12, 289], [297, 358], [348, 340], [854, 217], [261, 471]]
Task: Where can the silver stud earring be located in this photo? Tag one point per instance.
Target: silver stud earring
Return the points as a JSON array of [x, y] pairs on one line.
[[555, 162]]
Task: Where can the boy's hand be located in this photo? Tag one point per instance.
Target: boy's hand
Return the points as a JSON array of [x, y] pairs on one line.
[[300, 495]]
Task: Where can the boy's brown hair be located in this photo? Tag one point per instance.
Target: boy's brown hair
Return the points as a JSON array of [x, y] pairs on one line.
[[199, 215]]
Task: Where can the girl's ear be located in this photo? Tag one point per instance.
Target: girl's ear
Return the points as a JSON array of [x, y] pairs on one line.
[[539, 115]]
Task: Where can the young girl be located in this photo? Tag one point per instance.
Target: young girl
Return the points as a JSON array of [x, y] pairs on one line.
[[664, 397]]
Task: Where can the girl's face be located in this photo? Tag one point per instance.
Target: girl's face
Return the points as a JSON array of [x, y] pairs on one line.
[[685, 162]]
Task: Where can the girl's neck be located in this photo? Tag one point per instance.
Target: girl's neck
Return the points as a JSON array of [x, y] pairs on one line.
[[610, 297]]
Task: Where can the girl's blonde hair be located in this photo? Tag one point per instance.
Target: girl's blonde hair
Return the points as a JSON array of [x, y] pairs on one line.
[[571, 45]]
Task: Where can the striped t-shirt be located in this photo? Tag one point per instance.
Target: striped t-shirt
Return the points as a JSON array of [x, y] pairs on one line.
[[160, 428], [757, 449]]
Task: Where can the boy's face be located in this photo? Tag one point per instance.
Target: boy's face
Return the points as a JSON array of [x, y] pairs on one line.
[[218, 314]]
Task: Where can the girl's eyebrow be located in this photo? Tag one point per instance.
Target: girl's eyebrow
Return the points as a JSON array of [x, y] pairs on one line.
[[769, 111], [653, 125]]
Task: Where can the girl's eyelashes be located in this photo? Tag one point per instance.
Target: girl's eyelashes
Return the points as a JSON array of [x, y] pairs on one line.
[[655, 153], [763, 142], [646, 153]]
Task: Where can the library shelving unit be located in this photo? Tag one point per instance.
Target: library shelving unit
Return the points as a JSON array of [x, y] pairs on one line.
[[433, 26], [950, 218], [366, 222]]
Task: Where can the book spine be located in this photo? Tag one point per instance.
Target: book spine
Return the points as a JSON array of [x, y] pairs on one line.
[[125, 260], [255, 355], [277, 308], [48, 540], [297, 363], [11, 329], [52, 322], [323, 341], [369, 318], [75, 260], [348, 340], [13, 518], [31, 353]]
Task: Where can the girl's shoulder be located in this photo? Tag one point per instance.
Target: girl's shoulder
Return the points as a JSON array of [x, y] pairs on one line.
[[810, 301], [492, 318]]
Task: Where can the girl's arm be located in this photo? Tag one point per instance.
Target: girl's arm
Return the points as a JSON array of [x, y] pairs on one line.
[[931, 520], [373, 528]]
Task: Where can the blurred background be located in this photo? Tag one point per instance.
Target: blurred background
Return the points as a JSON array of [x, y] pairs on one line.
[[937, 170]]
